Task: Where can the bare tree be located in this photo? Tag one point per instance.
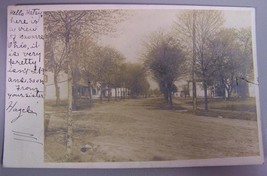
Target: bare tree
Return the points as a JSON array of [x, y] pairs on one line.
[[111, 61], [100, 65], [245, 42], [196, 28], [232, 50], [68, 25], [84, 52], [55, 62], [225, 49]]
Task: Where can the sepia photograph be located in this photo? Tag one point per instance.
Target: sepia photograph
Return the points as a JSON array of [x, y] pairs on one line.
[[150, 84]]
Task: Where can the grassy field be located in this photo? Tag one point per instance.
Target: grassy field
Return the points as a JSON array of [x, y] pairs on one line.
[[148, 130], [244, 109]]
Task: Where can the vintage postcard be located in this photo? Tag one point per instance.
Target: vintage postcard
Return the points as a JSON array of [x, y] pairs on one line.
[[118, 86]]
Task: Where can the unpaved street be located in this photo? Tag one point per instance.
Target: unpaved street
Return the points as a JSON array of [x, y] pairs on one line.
[[132, 130]]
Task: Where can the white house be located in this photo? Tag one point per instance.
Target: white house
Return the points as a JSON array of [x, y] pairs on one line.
[[81, 90], [211, 90], [50, 91]]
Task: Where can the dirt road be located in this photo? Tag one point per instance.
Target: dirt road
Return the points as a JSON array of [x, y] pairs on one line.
[[133, 131]]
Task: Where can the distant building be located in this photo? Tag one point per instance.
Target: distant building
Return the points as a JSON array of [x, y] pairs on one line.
[[213, 91], [50, 92], [81, 89], [181, 92]]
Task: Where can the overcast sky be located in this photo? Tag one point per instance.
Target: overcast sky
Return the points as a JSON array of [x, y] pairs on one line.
[[140, 23]]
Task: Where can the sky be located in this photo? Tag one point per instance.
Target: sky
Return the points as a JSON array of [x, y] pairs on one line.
[[131, 33]]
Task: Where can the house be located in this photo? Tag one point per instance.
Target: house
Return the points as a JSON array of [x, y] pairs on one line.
[[82, 89], [183, 84], [213, 91], [50, 91]]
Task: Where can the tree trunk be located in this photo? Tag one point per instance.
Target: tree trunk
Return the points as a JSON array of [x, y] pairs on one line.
[[69, 120], [89, 92], [70, 99], [194, 63], [108, 93], [205, 94], [166, 96], [224, 88], [124, 93], [170, 97], [75, 96], [194, 95], [116, 94], [228, 93], [57, 89], [101, 94]]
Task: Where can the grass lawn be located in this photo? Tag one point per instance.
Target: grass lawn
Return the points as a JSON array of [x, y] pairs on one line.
[[244, 109]]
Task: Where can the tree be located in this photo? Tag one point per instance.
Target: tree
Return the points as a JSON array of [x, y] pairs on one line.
[[68, 25], [165, 59], [111, 63], [119, 78], [101, 65], [185, 90], [225, 49], [135, 79], [196, 28], [245, 43], [233, 67], [55, 62]]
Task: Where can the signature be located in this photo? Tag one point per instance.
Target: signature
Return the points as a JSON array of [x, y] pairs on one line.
[[13, 107]]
